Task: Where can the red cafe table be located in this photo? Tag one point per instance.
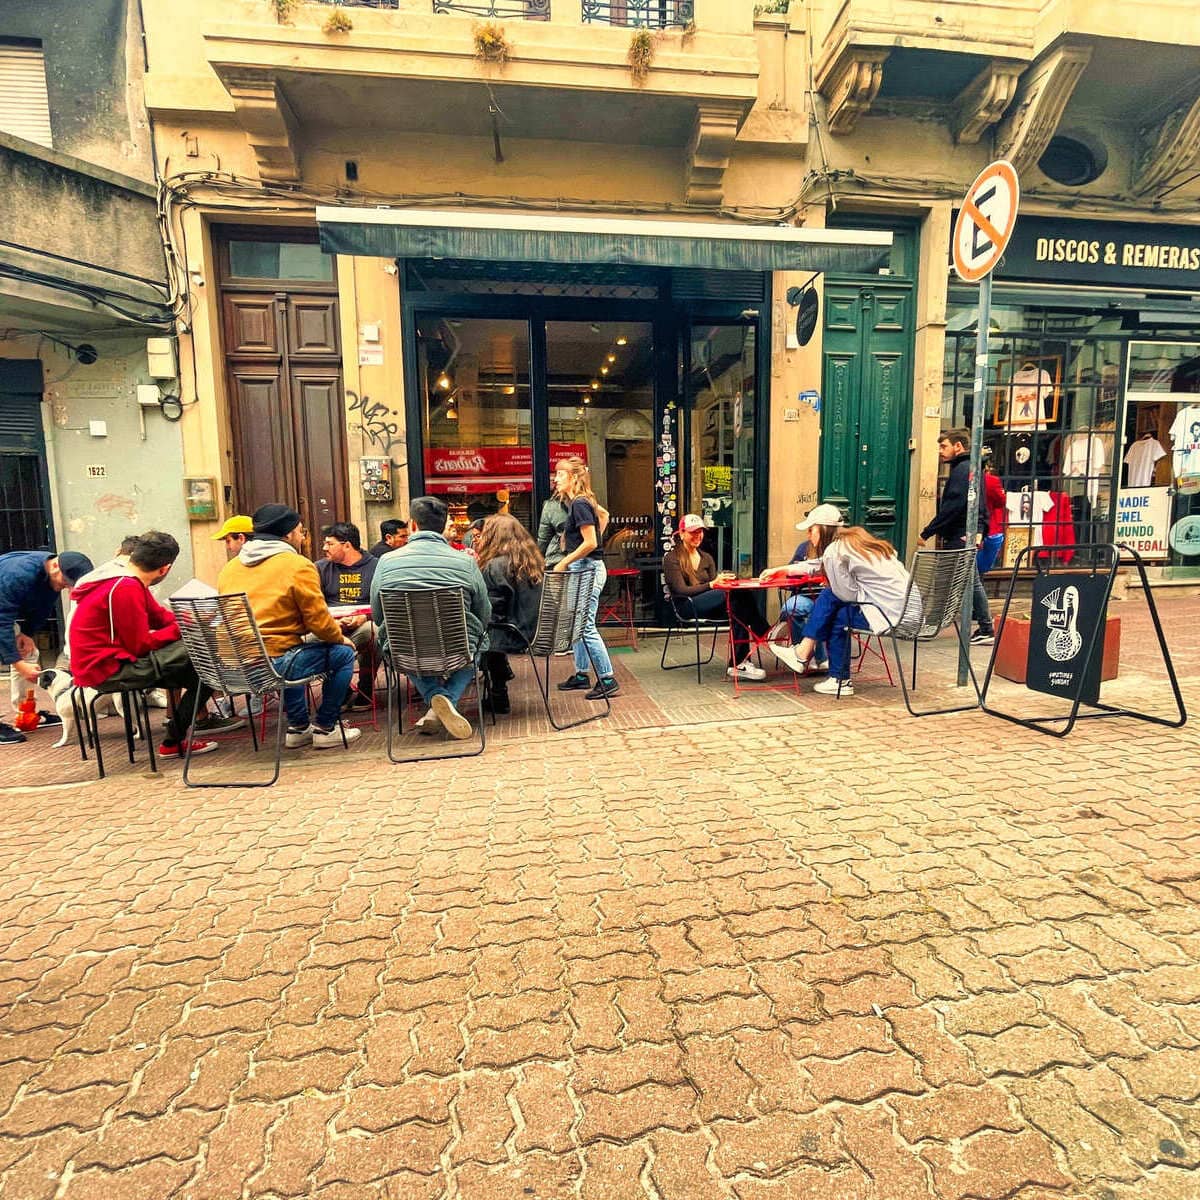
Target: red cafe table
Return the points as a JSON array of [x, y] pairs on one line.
[[784, 584], [619, 611]]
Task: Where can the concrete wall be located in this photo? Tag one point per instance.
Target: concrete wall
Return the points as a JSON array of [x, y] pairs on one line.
[[94, 72], [141, 457]]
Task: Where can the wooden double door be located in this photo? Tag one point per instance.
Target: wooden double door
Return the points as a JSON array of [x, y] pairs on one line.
[[284, 370]]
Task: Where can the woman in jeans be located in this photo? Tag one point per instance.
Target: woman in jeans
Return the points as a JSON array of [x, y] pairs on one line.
[[581, 544]]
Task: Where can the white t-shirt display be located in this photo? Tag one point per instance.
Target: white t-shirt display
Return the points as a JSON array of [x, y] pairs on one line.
[[1029, 508], [1141, 458], [1185, 439], [1029, 389], [1085, 454]]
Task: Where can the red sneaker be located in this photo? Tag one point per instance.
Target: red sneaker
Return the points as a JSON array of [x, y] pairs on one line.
[[179, 749]]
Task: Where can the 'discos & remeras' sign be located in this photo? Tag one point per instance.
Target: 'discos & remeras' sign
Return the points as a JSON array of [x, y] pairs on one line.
[[1099, 253]]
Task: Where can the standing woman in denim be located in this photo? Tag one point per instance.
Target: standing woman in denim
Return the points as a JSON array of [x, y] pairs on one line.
[[581, 544]]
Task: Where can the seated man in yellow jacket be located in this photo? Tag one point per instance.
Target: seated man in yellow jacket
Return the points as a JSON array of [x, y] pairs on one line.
[[285, 597]]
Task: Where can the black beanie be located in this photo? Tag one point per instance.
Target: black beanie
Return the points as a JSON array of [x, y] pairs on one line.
[[74, 566], [275, 520]]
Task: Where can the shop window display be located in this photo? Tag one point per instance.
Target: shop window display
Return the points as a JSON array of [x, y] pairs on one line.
[[1050, 421]]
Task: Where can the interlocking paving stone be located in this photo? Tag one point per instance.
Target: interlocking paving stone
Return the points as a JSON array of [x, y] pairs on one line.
[[689, 952]]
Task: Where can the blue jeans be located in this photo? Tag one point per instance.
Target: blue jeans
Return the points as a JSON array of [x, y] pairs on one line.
[[796, 609], [434, 685], [828, 622], [591, 648], [980, 612], [336, 660]]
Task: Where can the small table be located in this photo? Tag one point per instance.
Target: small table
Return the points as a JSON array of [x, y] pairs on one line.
[[620, 610], [782, 584]]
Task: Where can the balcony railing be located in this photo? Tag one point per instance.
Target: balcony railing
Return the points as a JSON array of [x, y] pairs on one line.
[[648, 14], [530, 10], [360, 3]]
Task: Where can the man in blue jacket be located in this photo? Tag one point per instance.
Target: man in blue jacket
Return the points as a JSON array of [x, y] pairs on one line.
[[30, 581], [427, 562]]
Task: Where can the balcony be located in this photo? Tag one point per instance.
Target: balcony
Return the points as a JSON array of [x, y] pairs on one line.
[[630, 14]]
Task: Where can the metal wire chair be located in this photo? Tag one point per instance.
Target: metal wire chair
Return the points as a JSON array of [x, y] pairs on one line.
[[425, 634], [933, 601], [687, 619], [226, 647], [562, 615]]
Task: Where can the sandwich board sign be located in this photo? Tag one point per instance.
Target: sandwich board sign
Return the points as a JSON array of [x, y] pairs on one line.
[[986, 221]]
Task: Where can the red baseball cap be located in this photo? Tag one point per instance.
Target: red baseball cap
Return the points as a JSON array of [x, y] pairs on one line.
[[689, 523]]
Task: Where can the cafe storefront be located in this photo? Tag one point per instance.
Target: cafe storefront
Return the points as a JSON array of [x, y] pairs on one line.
[[1092, 409], [643, 347]]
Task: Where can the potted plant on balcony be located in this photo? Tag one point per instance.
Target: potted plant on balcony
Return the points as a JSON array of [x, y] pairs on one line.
[[338, 21], [641, 54], [491, 46]]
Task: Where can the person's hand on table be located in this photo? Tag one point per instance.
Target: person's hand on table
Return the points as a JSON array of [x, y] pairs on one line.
[[724, 577], [352, 622]]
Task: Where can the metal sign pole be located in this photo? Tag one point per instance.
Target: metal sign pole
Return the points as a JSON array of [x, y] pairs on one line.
[[979, 393]]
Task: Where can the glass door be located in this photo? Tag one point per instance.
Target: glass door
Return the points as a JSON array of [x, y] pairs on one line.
[[474, 383], [600, 406], [720, 412]]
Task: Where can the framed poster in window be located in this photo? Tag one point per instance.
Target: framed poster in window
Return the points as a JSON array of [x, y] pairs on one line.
[[1027, 392]]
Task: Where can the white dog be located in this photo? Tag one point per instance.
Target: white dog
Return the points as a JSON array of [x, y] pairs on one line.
[[58, 684]]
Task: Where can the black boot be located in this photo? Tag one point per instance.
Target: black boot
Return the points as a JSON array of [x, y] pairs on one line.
[[498, 675]]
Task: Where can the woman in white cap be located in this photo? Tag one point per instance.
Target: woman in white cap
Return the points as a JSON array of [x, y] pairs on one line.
[[690, 573], [866, 588]]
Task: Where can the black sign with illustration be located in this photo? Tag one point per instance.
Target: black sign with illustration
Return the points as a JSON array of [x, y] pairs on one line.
[[1064, 250], [1067, 611], [806, 316]]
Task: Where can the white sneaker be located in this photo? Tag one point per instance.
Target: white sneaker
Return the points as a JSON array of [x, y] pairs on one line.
[[457, 726], [295, 738], [788, 656], [834, 687], [429, 724], [823, 665], [746, 670], [327, 741]]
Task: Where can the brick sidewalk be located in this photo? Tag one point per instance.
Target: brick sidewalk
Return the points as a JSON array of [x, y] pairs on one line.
[[833, 955]]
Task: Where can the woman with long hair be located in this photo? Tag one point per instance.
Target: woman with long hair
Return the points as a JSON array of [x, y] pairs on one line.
[[690, 573], [513, 569], [581, 543], [866, 587]]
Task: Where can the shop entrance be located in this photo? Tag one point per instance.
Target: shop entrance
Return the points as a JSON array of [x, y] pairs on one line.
[[283, 370], [651, 376], [867, 403]]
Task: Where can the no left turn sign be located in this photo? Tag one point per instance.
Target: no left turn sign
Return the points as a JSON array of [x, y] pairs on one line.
[[986, 221]]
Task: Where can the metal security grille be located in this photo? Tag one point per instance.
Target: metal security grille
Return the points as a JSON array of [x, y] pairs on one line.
[[24, 107], [651, 14], [531, 10], [23, 509]]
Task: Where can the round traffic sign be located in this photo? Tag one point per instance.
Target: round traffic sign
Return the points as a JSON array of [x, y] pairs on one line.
[[986, 221]]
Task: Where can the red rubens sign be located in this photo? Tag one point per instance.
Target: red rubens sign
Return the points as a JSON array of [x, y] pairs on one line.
[[493, 460]]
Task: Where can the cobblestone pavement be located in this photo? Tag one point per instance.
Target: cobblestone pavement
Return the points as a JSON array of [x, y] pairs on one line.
[[839, 955]]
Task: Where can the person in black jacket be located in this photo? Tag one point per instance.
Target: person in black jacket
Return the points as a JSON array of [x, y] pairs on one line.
[[950, 522], [513, 569]]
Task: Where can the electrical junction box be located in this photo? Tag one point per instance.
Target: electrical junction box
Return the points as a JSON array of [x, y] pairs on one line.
[[160, 356], [148, 395]]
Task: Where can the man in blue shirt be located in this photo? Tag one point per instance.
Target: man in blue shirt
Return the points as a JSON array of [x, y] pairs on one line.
[[428, 562], [30, 581]]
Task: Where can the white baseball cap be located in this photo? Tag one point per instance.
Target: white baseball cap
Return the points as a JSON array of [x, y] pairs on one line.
[[823, 514]]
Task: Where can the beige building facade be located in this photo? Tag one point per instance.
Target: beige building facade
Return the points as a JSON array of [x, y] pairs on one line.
[[436, 249]]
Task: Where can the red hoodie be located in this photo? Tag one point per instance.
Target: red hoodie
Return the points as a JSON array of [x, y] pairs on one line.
[[115, 621]]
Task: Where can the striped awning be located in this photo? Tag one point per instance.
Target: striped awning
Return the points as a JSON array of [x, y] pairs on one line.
[[537, 237]]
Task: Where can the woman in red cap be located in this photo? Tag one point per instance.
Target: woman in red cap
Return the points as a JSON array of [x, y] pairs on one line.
[[690, 573]]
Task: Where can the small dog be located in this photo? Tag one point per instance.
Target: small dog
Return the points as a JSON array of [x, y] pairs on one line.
[[58, 684]]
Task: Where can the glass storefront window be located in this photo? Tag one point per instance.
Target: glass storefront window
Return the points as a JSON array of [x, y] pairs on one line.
[[721, 413], [473, 375], [1159, 505], [600, 404], [1050, 412]]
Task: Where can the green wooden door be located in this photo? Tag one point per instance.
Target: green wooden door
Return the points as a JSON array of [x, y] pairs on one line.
[[866, 408]]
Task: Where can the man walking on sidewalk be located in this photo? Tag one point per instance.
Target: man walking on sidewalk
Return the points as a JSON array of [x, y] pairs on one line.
[[950, 522]]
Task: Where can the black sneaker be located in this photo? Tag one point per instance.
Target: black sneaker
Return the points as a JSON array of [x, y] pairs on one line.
[[577, 683], [215, 723], [499, 699], [983, 637], [46, 719], [606, 687], [10, 736], [357, 702]]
